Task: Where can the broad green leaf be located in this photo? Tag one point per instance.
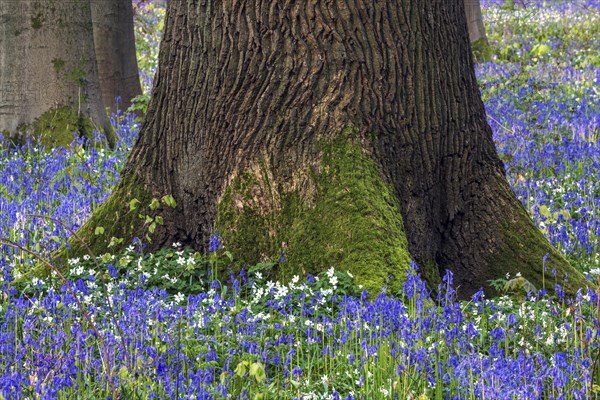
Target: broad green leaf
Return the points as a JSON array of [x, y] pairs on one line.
[[133, 204], [154, 204], [240, 370], [540, 49], [544, 210], [169, 200], [257, 370]]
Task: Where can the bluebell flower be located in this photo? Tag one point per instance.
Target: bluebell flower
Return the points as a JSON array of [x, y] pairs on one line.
[[215, 243]]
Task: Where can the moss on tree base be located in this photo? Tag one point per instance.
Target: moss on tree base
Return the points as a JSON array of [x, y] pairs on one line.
[[525, 250], [337, 213], [57, 127], [482, 51], [113, 219]]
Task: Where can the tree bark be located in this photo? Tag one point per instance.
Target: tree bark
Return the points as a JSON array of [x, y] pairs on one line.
[[479, 42], [338, 133], [474, 20], [48, 68], [114, 43]]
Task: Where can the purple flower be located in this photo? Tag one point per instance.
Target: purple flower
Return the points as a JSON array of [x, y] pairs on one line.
[[215, 243]]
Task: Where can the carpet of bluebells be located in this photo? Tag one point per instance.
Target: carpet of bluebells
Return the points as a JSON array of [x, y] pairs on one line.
[[159, 326]]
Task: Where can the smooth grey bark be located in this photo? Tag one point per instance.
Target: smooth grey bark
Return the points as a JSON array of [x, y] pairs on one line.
[[114, 42], [474, 20], [47, 61]]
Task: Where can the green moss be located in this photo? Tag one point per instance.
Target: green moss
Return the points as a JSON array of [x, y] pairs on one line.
[[482, 51], [58, 64], [430, 272], [339, 213], [56, 127], [115, 218], [76, 75], [37, 21], [523, 250]]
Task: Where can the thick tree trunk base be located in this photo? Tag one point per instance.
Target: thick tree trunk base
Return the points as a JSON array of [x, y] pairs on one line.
[[114, 224], [337, 212], [522, 248], [344, 136]]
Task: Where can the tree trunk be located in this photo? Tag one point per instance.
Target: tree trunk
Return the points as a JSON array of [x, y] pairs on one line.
[[48, 74], [479, 43], [340, 134], [474, 20], [114, 41]]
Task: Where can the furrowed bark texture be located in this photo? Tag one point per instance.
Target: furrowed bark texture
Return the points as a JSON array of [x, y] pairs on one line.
[[258, 105], [114, 43], [47, 63]]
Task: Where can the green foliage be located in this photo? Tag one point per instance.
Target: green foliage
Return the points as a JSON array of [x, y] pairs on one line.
[[482, 51], [139, 103], [174, 270], [56, 127], [37, 21], [540, 50], [58, 64], [510, 28], [498, 284], [76, 75], [519, 284]]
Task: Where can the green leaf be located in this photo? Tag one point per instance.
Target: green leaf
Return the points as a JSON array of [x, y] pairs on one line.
[[99, 230], [240, 370], [509, 5], [154, 204], [152, 227], [223, 376], [540, 50], [519, 283], [159, 220], [123, 373], [169, 201], [257, 370], [133, 204], [115, 241], [148, 219], [545, 211]]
